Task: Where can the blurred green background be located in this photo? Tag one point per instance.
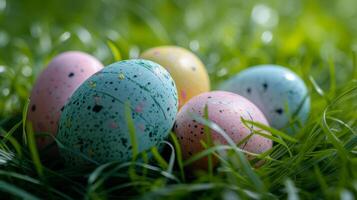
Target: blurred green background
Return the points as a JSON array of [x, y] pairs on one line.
[[228, 35]]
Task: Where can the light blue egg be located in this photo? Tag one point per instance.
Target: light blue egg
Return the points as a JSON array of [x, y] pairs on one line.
[[279, 93], [93, 122]]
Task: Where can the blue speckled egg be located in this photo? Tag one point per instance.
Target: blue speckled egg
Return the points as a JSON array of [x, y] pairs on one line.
[[93, 121], [278, 92]]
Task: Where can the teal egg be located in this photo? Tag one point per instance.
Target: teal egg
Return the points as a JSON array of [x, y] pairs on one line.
[[278, 92], [93, 124]]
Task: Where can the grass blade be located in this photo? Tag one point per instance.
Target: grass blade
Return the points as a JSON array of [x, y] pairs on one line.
[[15, 191]]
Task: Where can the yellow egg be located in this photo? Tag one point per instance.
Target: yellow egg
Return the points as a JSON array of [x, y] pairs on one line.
[[186, 68]]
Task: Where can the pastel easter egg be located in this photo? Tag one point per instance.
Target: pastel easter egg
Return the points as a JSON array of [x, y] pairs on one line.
[[279, 93], [93, 122], [55, 85], [226, 110], [186, 69]]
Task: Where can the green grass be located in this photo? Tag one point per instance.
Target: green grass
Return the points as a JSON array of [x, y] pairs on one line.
[[316, 39]]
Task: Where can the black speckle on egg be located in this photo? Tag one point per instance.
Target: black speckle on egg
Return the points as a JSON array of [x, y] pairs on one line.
[[97, 108], [265, 86], [70, 75], [33, 108], [62, 108], [279, 111], [249, 90]]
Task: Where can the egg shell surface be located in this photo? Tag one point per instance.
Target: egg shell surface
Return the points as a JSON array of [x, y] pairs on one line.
[[273, 88], [226, 110], [54, 86], [93, 122], [186, 68]]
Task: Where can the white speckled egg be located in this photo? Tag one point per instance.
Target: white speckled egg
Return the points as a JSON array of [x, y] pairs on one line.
[[226, 110], [93, 122], [273, 89], [55, 85]]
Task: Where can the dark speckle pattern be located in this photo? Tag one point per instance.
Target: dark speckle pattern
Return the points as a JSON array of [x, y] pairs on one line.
[[226, 110], [97, 108], [93, 121], [33, 108], [265, 86], [279, 111], [70, 75], [271, 88]]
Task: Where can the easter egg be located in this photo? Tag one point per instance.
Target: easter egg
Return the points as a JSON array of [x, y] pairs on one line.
[[227, 110], [186, 69], [279, 93], [93, 123], [54, 87]]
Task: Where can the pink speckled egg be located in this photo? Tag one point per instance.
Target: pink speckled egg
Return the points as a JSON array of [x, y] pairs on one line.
[[226, 110], [55, 85]]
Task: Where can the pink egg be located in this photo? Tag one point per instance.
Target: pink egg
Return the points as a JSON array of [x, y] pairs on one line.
[[226, 110], [55, 85]]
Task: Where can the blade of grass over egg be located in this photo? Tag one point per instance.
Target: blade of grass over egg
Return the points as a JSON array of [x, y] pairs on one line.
[[131, 127], [24, 121], [114, 49], [145, 159], [178, 154], [133, 140], [270, 137], [33, 150], [208, 134], [257, 182], [291, 119], [271, 130], [213, 153]]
